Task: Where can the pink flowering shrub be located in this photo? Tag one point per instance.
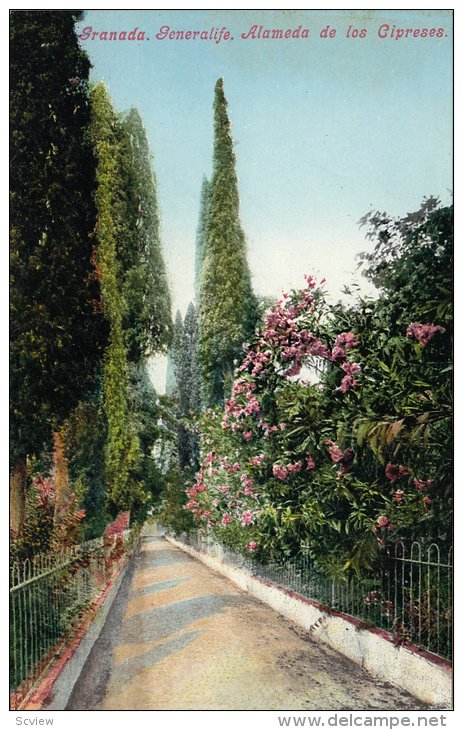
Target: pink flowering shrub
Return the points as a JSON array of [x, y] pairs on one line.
[[396, 471], [118, 526], [424, 333], [41, 532], [314, 445], [245, 448]]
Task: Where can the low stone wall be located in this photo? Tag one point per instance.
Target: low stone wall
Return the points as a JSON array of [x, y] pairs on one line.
[[424, 675]]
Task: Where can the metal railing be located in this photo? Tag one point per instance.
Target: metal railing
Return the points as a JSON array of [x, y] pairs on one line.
[[409, 594], [48, 593]]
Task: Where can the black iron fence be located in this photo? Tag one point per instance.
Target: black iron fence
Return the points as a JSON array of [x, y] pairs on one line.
[[409, 595], [48, 593]]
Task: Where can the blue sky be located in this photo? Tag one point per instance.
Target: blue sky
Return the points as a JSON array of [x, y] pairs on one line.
[[324, 130]]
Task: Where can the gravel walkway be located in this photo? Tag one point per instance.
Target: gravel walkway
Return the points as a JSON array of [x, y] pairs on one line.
[[181, 637]]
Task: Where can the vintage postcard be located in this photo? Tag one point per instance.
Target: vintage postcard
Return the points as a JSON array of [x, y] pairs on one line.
[[231, 358]]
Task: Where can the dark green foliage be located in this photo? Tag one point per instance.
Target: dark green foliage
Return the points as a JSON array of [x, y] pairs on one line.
[[143, 406], [122, 447], [171, 514], [148, 318], [79, 290], [135, 295], [227, 308], [349, 468], [185, 385], [145, 415], [37, 534], [409, 251], [56, 328], [175, 354], [86, 433], [201, 233], [191, 397], [170, 374]]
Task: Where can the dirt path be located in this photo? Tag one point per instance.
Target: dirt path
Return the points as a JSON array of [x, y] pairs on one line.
[[181, 637]]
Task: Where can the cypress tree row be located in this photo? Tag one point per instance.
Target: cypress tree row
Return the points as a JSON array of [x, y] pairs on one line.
[[144, 304], [227, 306], [122, 446], [57, 332]]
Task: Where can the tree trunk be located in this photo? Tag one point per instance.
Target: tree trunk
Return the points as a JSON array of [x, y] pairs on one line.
[[18, 488], [62, 489]]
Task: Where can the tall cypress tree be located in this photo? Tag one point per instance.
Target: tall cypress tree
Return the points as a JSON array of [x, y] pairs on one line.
[[190, 357], [227, 305], [148, 317], [122, 446], [201, 233], [56, 328], [184, 384], [135, 289]]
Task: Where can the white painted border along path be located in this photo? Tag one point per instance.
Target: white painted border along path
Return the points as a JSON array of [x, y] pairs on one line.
[[425, 675]]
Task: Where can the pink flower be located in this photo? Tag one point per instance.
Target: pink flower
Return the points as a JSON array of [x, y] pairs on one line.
[[347, 383], [337, 353], [245, 481], [279, 472], [346, 340], [311, 282], [310, 463], [226, 519], [396, 471], [397, 496], [256, 460], [337, 454], [423, 332], [382, 521], [282, 426], [247, 435], [209, 458], [295, 369], [427, 500], [421, 486], [247, 518], [334, 451], [294, 468], [251, 546], [351, 368]]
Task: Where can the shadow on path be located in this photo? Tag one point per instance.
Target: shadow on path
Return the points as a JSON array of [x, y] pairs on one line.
[[153, 624]]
